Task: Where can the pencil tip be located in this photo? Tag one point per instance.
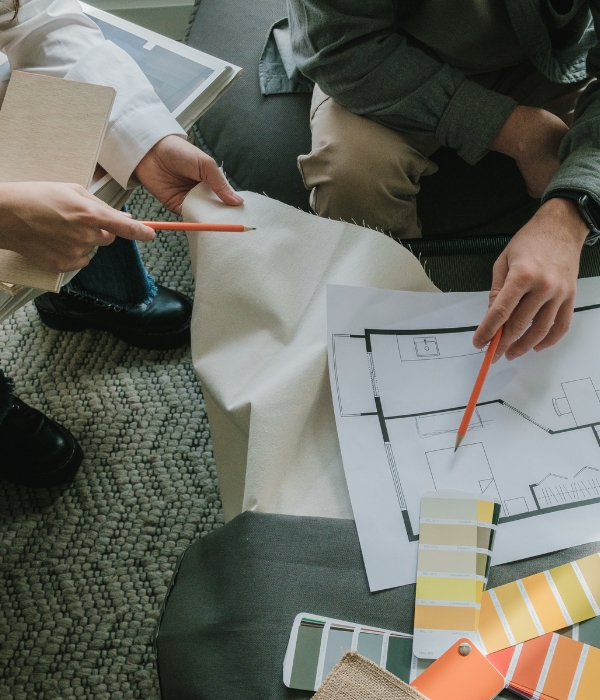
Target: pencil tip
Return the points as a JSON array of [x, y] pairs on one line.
[[459, 439], [249, 228]]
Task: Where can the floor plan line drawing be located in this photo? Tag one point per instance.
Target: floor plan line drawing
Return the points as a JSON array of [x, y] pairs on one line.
[[575, 405]]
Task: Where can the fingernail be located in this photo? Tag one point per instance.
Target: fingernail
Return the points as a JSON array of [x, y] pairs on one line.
[[238, 199], [496, 358]]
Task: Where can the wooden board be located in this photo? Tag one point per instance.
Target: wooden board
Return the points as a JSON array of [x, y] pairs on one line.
[[11, 289], [51, 130]]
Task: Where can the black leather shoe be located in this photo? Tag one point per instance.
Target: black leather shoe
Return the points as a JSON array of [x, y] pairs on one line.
[[164, 324], [34, 450]]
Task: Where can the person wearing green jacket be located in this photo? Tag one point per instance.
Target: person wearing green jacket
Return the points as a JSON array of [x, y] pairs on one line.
[[396, 79]]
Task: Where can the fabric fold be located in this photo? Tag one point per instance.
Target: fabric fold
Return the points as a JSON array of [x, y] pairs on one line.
[[259, 346]]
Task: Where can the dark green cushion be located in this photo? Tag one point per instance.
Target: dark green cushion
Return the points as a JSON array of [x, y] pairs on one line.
[[229, 613], [256, 138]]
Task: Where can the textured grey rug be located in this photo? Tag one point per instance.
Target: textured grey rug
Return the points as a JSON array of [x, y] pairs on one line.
[[83, 569]]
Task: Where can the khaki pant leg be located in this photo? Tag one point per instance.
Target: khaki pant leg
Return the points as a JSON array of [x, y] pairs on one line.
[[363, 172]]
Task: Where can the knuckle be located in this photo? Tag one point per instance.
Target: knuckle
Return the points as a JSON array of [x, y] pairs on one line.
[[65, 265], [88, 215], [546, 285], [543, 330], [526, 273], [519, 326], [561, 327], [501, 311]]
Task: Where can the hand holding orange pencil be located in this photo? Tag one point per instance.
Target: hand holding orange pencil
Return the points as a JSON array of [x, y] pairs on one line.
[[485, 366]]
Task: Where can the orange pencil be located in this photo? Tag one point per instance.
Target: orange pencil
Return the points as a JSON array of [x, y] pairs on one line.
[[485, 366], [183, 226]]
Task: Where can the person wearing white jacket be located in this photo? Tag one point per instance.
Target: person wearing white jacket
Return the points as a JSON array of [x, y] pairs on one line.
[[59, 225]]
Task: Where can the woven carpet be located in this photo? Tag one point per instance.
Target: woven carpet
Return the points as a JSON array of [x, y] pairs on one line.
[[84, 569]]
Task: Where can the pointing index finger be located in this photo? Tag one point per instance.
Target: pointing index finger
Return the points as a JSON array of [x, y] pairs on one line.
[[499, 312], [128, 228]]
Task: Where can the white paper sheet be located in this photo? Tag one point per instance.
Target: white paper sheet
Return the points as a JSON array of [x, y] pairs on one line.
[[402, 366]]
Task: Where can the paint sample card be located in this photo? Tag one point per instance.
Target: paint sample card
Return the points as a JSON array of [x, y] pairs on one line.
[[456, 538], [541, 603], [551, 667], [461, 673], [417, 666], [318, 643]]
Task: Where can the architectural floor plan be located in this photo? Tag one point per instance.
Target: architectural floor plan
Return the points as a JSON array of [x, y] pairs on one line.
[[399, 394]]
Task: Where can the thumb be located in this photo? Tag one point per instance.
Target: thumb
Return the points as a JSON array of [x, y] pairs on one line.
[[499, 274], [217, 181], [489, 325]]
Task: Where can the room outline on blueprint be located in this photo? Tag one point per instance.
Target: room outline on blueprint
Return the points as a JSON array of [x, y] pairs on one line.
[[562, 428]]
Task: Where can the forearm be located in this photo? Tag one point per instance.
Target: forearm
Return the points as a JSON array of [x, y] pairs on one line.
[[351, 49], [579, 153]]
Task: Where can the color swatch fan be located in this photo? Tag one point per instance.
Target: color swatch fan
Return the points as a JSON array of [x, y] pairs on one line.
[[318, 643], [551, 667], [456, 537], [541, 603]]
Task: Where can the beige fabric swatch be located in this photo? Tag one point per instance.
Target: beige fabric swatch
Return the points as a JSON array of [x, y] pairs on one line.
[[357, 678], [259, 346]]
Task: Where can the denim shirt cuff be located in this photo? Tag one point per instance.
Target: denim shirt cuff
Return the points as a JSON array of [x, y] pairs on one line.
[[472, 119], [277, 71]]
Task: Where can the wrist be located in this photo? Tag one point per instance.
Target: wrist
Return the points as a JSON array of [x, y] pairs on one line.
[[564, 214]]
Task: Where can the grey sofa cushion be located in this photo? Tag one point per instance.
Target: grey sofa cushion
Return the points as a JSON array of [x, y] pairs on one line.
[[229, 613], [259, 138]]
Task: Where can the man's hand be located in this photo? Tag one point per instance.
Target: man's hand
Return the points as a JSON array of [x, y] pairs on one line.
[[173, 166], [58, 225], [534, 283], [532, 137]]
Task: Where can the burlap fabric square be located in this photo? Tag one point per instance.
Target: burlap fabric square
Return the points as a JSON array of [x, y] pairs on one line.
[[357, 678]]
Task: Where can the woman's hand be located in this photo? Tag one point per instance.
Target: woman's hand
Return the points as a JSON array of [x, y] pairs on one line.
[[58, 225], [173, 166], [535, 280]]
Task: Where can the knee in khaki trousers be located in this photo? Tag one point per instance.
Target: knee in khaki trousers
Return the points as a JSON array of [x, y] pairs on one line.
[[363, 172]]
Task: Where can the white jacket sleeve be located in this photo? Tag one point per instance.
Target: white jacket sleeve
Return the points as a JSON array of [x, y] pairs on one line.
[[55, 38]]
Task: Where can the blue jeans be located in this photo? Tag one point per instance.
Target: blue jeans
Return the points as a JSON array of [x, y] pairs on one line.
[[116, 276]]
